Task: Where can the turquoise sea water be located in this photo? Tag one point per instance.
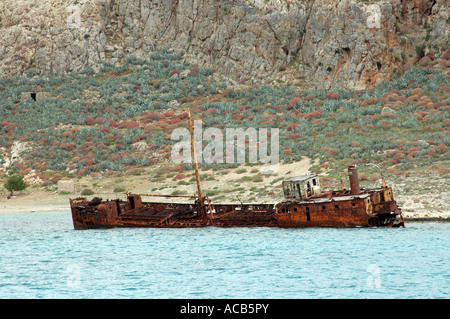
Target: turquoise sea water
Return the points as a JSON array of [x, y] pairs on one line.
[[42, 256]]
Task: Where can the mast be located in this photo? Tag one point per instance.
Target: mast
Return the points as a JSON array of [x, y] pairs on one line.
[[194, 161]]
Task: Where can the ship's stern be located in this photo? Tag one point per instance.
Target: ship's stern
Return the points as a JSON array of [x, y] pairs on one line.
[[384, 210], [94, 214]]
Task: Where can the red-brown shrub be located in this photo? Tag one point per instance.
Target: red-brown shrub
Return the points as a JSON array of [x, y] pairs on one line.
[[440, 148], [332, 95], [293, 102], [332, 152], [292, 127], [175, 120], [243, 107], [185, 99], [169, 113], [194, 70], [92, 121], [183, 115], [293, 136], [67, 146], [312, 115], [211, 111], [128, 124], [446, 55], [389, 114], [180, 176]]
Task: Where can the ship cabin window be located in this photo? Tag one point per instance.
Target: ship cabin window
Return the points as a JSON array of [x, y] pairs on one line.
[[131, 199], [291, 190]]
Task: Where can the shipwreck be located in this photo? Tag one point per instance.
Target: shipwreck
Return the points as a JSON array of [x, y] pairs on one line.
[[304, 205]]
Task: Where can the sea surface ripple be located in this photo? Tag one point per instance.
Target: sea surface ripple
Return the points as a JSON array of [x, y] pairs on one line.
[[42, 256]]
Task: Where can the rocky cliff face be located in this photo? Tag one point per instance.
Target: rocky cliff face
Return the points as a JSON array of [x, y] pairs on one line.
[[322, 43]]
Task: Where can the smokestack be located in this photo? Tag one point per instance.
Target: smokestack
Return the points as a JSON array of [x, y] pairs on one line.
[[354, 180]]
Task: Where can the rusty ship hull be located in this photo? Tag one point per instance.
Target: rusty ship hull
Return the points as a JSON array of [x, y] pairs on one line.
[[135, 213], [185, 215], [343, 208]]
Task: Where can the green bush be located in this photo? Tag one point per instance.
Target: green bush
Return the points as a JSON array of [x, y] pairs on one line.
[[119, 189], [87, 191], [420, 50], [15, 183]]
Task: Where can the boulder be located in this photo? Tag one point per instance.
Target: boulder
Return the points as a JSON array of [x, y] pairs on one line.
[[66, 185]]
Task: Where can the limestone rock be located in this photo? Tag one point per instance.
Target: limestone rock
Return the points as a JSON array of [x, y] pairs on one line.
[[33, 178], [66, 185], [336, 43]]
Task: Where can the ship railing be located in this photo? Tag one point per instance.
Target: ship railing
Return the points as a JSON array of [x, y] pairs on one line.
[[166, 198], [106, 196], [164, 195]]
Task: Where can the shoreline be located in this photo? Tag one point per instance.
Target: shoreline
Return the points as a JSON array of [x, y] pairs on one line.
[[27, 210], [427, 220]]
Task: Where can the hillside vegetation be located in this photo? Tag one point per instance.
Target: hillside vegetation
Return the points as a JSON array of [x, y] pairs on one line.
[[118, 121]]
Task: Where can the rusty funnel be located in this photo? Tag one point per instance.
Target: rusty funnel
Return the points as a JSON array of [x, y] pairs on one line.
[[354, 180]]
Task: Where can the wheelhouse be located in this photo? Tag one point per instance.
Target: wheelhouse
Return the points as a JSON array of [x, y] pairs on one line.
[[301, 187]]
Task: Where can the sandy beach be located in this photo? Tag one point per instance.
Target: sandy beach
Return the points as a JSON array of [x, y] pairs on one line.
[[39, 201]]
